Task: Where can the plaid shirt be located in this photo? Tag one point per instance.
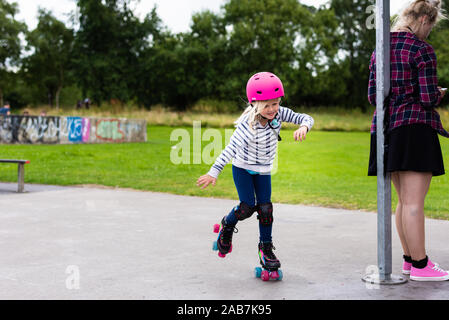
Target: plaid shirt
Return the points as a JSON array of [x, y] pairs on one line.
[[414, 82]]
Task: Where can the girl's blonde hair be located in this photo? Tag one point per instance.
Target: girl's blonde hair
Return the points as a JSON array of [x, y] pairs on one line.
[[254, 113], [409, 17]]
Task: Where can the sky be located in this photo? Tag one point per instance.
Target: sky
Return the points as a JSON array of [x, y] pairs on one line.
[[175, 14]]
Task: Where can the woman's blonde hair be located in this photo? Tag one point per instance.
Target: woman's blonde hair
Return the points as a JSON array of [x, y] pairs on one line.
[[254, 113], [410, 15]]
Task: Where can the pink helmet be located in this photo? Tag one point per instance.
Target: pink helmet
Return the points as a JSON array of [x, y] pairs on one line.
[[264, 86]]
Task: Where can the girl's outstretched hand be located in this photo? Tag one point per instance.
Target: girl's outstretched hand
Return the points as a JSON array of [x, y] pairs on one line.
[[206, 180], [300, 134]]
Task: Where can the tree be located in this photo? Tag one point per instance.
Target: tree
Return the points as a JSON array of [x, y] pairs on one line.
[[316, 77], [49, 66], [178, 70], [108, 45], [265, 35], [10, 46], [438, 39], [203, 56], [161, 73], [215, 59], [357, 45]]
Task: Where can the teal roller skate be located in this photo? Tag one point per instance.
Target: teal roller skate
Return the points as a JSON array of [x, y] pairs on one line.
[[270, 264]]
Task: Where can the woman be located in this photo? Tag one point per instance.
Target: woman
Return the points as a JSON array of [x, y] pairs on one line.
[[414, 152]]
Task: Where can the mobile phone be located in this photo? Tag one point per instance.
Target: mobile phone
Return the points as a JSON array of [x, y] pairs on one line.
[[444, 89]]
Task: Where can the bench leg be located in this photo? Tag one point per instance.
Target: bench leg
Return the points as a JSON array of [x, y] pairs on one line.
[[21, 178]]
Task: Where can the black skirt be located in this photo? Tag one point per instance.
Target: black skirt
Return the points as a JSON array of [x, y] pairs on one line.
[[412, 147]]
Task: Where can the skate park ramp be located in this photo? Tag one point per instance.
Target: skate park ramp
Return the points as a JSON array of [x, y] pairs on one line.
[[103, 243]]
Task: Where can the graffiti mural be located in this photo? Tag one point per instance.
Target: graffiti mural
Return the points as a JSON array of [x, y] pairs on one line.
[[86, 130], [29, 129], [74, 128], [118, 130], [109, 130], [62, 130]]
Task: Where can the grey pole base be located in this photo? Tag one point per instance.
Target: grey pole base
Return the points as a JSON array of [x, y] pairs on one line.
[[373, 278]]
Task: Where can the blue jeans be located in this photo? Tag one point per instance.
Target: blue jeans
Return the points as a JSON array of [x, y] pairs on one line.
[[252, 189]]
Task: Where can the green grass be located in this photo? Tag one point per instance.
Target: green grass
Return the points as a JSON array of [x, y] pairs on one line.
[[328, 169]]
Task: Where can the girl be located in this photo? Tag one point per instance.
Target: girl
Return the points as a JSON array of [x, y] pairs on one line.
[[253, 148], [414, 152]]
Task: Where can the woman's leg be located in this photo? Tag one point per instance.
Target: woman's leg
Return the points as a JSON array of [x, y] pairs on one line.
[[398, 214], [413, 190]]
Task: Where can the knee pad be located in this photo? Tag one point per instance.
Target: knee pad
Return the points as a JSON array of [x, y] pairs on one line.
[[244, 211], [265, 213]]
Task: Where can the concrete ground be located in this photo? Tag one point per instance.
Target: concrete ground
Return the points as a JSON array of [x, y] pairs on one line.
[[97, 243]]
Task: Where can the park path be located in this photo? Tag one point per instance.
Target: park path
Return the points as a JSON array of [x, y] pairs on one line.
[[100, 243]]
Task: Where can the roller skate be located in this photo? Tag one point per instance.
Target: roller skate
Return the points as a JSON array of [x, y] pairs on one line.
[[224, 240], [270, 264]]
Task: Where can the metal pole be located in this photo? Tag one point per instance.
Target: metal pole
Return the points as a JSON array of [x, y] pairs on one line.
[[383, 181], [384, 252]]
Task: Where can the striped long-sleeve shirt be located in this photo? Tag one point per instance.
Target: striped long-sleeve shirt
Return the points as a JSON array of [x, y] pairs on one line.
[[256, 151]]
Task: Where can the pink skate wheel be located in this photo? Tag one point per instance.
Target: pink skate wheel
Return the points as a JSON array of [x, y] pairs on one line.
[[274, 275], [221, 255], [265, 276], [216, 228]]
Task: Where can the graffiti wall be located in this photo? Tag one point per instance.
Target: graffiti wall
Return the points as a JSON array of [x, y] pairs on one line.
[[66, 130]]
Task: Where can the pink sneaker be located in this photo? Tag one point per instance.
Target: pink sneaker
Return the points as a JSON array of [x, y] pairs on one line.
[[406, 267], [432, 272]]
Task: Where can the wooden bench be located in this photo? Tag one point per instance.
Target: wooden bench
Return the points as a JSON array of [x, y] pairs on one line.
[[21, 172]]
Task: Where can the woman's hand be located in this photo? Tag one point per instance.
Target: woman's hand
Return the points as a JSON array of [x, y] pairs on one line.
[[206, 180], [443, 92], [300, 134]]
